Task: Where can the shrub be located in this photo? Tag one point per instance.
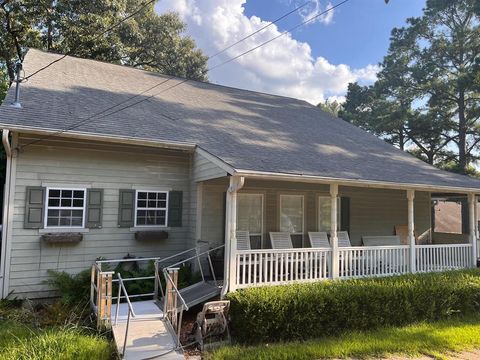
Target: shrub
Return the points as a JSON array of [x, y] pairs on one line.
[[302, 311], [73, 289]]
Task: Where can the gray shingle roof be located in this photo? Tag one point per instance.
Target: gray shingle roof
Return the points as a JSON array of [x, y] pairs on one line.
[[245, 129]]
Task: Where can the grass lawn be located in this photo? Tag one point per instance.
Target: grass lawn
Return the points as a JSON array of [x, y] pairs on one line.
[[18, 341], [434, 339]]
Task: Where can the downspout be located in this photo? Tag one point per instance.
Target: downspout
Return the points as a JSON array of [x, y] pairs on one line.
[[6, 142], [6, 206], [236, 183]]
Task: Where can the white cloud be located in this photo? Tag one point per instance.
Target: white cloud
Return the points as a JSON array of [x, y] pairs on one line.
[[313, 8], [285, 66]]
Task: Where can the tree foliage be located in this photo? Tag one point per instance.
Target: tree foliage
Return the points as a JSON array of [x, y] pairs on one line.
[[147, 40], [331, 107], [427, 95]]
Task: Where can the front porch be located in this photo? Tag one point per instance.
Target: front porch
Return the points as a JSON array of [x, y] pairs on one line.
[[391, 231]]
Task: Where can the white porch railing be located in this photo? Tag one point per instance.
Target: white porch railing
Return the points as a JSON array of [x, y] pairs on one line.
[[284, 266], [365, 261], [274, 267], [443, 257]]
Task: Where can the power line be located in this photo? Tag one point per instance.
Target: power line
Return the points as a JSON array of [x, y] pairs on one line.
[[74, 49], [140, 9], [261, 29], [78, 124], [310, 19], [156, 85]]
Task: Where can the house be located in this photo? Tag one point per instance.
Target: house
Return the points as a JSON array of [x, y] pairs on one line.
[[192, 163]]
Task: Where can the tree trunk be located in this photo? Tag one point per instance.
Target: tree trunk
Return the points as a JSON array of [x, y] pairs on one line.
[[430, 157], [462, 133], [10, 70], [401, 139], [50, 16]]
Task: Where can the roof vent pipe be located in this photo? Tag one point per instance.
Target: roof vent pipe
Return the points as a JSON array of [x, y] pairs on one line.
[[16, 103]]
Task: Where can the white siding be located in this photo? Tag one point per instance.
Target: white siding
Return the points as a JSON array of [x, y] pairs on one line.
[[104, 167], [204, 169]]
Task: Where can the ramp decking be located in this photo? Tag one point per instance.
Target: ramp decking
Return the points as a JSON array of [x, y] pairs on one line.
[[148, 335]]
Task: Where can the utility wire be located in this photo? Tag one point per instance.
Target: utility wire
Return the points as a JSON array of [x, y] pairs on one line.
[[107, 30], [140, 9], [261, 29], [83, 121], [310, 19], [156, 85]]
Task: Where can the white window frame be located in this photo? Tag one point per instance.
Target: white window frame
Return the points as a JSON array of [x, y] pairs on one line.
[[147, 208], [262, 211], [339, 212], [303, 212], [47, 207]]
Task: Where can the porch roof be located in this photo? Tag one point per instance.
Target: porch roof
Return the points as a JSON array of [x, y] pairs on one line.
[[249, 131]]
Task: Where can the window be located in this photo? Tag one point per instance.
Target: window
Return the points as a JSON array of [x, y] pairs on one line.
[[250, 213], [65, 208], [151, 208], [324, 213], [291, 213]]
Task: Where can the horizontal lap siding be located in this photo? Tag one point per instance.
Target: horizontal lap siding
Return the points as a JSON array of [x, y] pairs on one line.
[[375, 212], [204, 169], [107, 169], [372, 211]]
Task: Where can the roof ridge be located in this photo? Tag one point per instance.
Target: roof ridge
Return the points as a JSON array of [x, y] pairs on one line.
[[174, 77]]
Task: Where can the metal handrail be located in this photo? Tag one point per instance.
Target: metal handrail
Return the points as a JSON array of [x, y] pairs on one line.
[[129, 313], [120, 288], [136, 278], [196, 256], [174, 255], [99, 262]]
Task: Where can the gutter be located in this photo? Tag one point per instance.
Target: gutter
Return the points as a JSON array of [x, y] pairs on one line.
[[130, 140], [265, 175]]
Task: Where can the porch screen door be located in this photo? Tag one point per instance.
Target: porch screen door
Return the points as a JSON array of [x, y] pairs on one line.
[[250, 217]]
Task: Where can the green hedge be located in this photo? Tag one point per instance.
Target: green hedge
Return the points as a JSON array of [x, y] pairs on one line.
[[302, 311]]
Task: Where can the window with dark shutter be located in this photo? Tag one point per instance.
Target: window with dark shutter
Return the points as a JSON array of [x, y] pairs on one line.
[[94, 208], [126, 208], [34, 207], [175, 205]]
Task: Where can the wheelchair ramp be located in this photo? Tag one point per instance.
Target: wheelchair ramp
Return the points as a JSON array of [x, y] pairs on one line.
[[148, 334], [198, 293]]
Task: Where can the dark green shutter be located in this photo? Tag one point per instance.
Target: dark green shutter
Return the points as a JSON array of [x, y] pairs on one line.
[[345, 214], [175, 202], [94, 208], [34, 207], [126, 208]]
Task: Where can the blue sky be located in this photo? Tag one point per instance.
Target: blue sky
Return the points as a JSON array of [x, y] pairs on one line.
[[316, 62], [358, 34]]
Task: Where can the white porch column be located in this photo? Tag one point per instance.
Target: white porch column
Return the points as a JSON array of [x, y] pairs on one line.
[[236, 183], [411, 230], [333, 230], [473, 227]]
